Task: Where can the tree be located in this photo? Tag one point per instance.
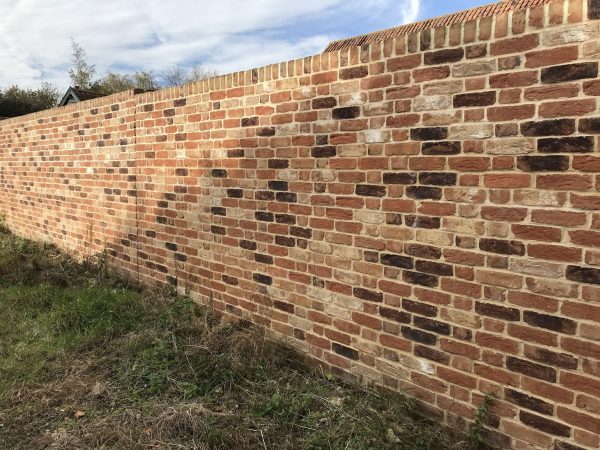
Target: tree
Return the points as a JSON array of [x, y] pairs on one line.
[[177, 75], [82, 73], [16, 101]]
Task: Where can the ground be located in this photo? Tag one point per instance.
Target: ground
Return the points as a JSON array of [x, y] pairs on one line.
[[90, 362]]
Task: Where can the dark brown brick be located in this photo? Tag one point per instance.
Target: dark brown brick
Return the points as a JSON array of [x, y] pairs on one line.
[[438, 178], [404, 262], [419, 336], [593, 9], [286, 197], [527, 401], [349, 112], [248, 245], [422, 309], [431, 354], [551, 358], [395, 315], [591, 126], [555, 163], [218, 211], [429, 134], [266, 132], [249, 121], [502, 247], [263, 259], [578, 144], [399, 178], [423, 222], [424, 192], [550, 322], [285, 218], [497, 311], [262, 279], [423, 251], [235, 193], [328, 151], [277, 185], [531, 369], [279, 163], [283, 306], [435, 268], [354, 72], [324, 102], [475, 99], [444, 56], [583, 274], [569, 72], [432, 325], [285, 241], [370, 190], [368, 295], [557, 127], [344, 351], [218, 173], [420, 278], [543, 424], [441, 148]]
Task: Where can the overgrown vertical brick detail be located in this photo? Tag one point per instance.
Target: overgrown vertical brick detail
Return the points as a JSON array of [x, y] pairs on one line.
[[421, 212]]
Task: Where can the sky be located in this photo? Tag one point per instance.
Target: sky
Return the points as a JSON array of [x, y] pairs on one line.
[[152, 35]]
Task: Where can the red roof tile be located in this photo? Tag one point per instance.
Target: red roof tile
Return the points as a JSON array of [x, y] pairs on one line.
[[458, 17]]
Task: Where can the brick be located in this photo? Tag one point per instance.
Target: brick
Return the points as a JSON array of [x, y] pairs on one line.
[[502, 247], [552, 56], [444, 56], [554, 252], [531, 369], [557, 127], [543, 163], [354, 72], [349, 112], [475, 99], [441, 148], [498, 312], [528, 401], [569, 72], [579, 144], [395, 315], [551, 358], [567, 108], [514, 45], [429, 134], [504, 113], [590, 126], [514, 79], [546, 425], [554, 323]]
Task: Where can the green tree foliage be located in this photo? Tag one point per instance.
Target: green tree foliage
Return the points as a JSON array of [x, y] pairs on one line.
[[16, 101], [82, 74]]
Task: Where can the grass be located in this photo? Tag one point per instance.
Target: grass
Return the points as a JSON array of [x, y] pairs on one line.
[[87, 361]]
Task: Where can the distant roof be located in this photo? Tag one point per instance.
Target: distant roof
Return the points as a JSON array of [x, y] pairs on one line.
[[76, 95], [442, 21]]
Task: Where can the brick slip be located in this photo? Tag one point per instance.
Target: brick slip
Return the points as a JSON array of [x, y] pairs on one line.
[[422, 209]]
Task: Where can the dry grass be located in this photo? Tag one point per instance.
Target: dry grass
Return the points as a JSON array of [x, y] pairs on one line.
[[90, 363]]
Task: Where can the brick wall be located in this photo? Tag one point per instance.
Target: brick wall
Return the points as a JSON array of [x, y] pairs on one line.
[[421, 212]]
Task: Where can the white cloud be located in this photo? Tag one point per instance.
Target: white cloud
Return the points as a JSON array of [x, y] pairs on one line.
[[153, 34]]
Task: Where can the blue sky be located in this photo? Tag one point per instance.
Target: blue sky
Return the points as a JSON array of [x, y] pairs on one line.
[[224, 35]]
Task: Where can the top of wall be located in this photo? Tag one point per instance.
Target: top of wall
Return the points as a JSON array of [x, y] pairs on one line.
[[437, 22], [495, 21]]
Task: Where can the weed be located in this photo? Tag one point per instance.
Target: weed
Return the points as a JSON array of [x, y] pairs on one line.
[[475, 440]]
